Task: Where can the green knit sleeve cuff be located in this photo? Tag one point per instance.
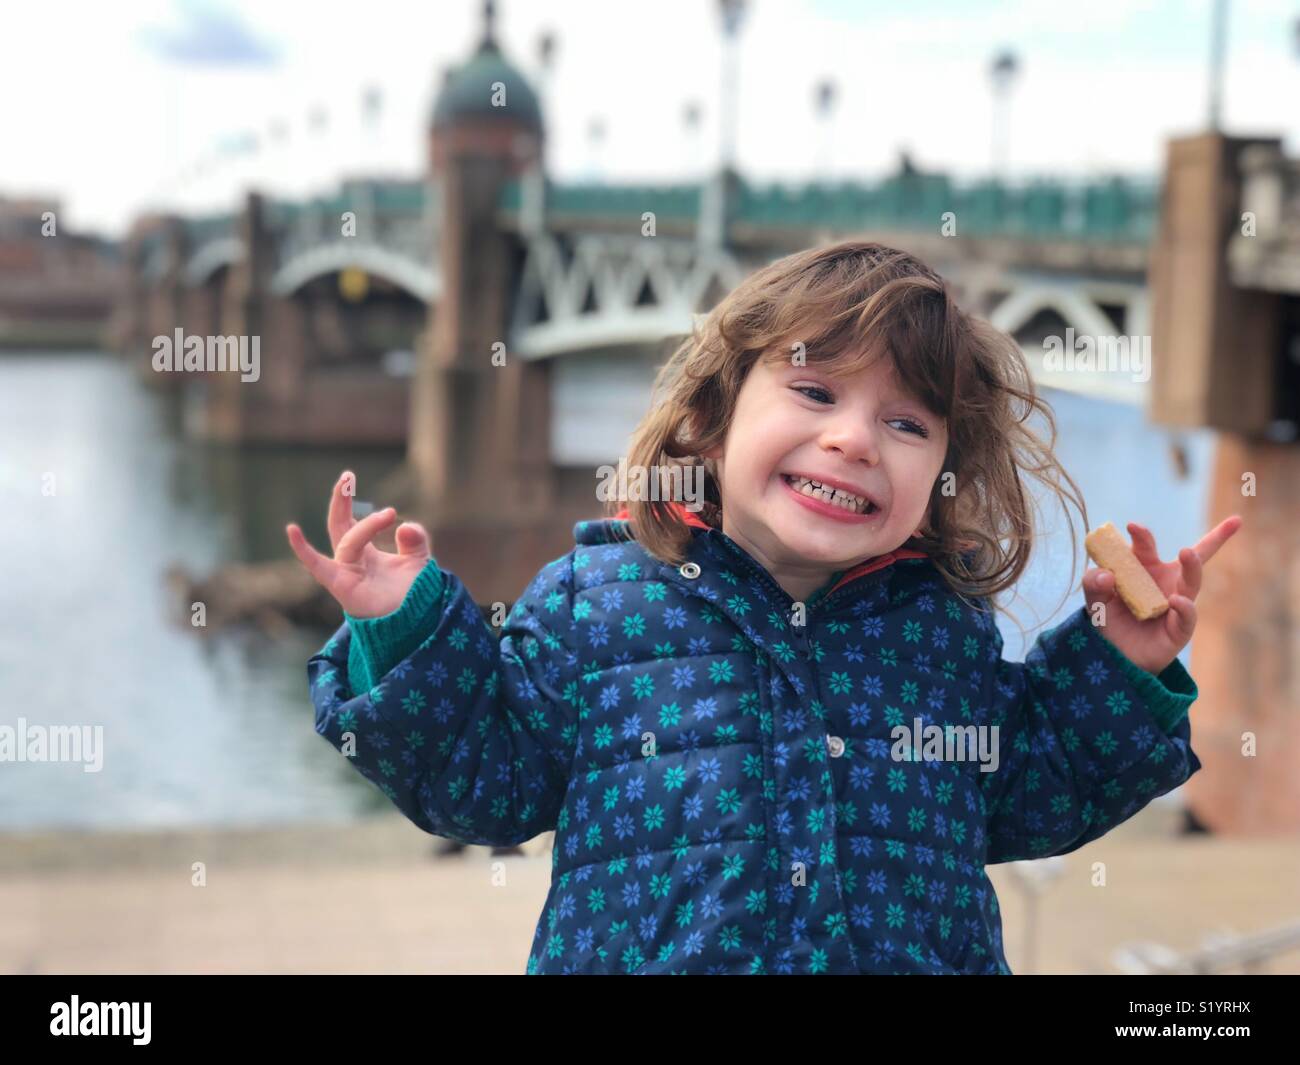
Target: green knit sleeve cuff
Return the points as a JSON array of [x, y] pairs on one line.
[[378, 644], [1168, 695]]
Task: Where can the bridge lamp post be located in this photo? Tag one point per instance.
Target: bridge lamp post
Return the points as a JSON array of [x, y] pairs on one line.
[[546, 45], [532, 212], [823, 108], [1218, 43], [691, 114], [317, 124], [200, 178], [277, 134], [1295, 37], [372, 102], [1003, 72], [595, 138], [372, 107], [733, 14], [242, 151]]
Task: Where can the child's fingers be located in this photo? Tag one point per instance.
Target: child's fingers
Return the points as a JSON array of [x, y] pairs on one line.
[[1098, 586], [1180, 621], [320, 567], [355, 540], [1189, 578], [412, 539], [1144, 544], [340, 518], [1210, 543]]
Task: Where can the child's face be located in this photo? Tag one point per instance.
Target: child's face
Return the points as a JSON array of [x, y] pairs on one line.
[[862, 431]]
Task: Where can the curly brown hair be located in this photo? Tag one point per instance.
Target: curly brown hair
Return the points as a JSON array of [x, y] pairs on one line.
[[843, 306]]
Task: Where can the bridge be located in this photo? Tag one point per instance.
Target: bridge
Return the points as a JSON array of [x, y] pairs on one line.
[[608, 274]]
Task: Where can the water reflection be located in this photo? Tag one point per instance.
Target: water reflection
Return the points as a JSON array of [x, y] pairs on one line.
[[103, 494]]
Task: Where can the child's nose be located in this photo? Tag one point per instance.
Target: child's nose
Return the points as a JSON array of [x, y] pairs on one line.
[[855, 438]]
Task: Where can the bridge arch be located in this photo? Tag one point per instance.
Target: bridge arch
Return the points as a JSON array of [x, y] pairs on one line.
[[1073, 306], [210, 257], [418, 279]]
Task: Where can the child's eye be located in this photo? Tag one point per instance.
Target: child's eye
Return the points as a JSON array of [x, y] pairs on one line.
[[912, 426], [813, 388]]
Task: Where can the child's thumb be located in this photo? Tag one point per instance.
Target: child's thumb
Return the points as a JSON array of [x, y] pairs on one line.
[[1098, 586], [412, 539]]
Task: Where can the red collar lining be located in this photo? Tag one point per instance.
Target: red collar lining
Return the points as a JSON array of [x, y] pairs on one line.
[[688, 516], [873, 564]]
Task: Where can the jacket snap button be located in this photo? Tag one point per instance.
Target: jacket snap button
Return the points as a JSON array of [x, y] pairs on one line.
[[836, 745], [689, 570]]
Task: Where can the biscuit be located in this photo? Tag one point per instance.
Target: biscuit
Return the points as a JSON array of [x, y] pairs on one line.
[[1106, 547]]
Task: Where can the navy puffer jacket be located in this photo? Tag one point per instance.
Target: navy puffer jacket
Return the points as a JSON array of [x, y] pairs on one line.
[[726, 787]]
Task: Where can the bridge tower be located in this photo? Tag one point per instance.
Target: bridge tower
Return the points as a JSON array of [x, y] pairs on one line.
[[478, 444]]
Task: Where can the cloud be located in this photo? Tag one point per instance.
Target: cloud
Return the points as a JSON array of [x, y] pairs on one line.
[[209, 35]]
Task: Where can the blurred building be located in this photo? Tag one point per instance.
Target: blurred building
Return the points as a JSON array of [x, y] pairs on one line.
[[57, 287]]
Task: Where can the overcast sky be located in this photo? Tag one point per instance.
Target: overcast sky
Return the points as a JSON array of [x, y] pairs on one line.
[[111, 107]]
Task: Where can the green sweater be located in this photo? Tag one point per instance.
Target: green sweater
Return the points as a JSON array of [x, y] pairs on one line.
[[378, 644]]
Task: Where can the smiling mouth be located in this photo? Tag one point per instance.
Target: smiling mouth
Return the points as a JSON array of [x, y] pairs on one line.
[[836, 497]]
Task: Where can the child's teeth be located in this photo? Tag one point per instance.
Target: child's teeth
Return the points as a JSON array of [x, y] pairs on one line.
[[852, 503]]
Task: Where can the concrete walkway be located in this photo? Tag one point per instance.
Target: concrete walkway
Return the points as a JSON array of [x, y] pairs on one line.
[[371, 898]]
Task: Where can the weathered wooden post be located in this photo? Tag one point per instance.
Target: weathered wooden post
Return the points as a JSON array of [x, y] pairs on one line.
[[229, 399], [126, 329], [1225, 281], [166, 297]]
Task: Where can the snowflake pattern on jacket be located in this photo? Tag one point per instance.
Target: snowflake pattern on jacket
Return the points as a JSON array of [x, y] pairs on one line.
[[720, 780]]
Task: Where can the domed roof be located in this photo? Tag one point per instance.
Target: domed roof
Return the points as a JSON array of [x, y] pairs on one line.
[[468, 90]]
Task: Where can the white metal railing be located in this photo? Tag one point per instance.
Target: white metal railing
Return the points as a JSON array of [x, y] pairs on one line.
[[1218, 953]]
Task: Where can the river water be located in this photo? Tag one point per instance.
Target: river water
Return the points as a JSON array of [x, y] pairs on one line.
[[102, 493]]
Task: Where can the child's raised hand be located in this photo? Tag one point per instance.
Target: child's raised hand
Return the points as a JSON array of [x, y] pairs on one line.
[[367, 582], [1154, 644]]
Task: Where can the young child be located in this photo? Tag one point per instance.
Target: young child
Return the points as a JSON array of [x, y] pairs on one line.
[[710, 708]]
